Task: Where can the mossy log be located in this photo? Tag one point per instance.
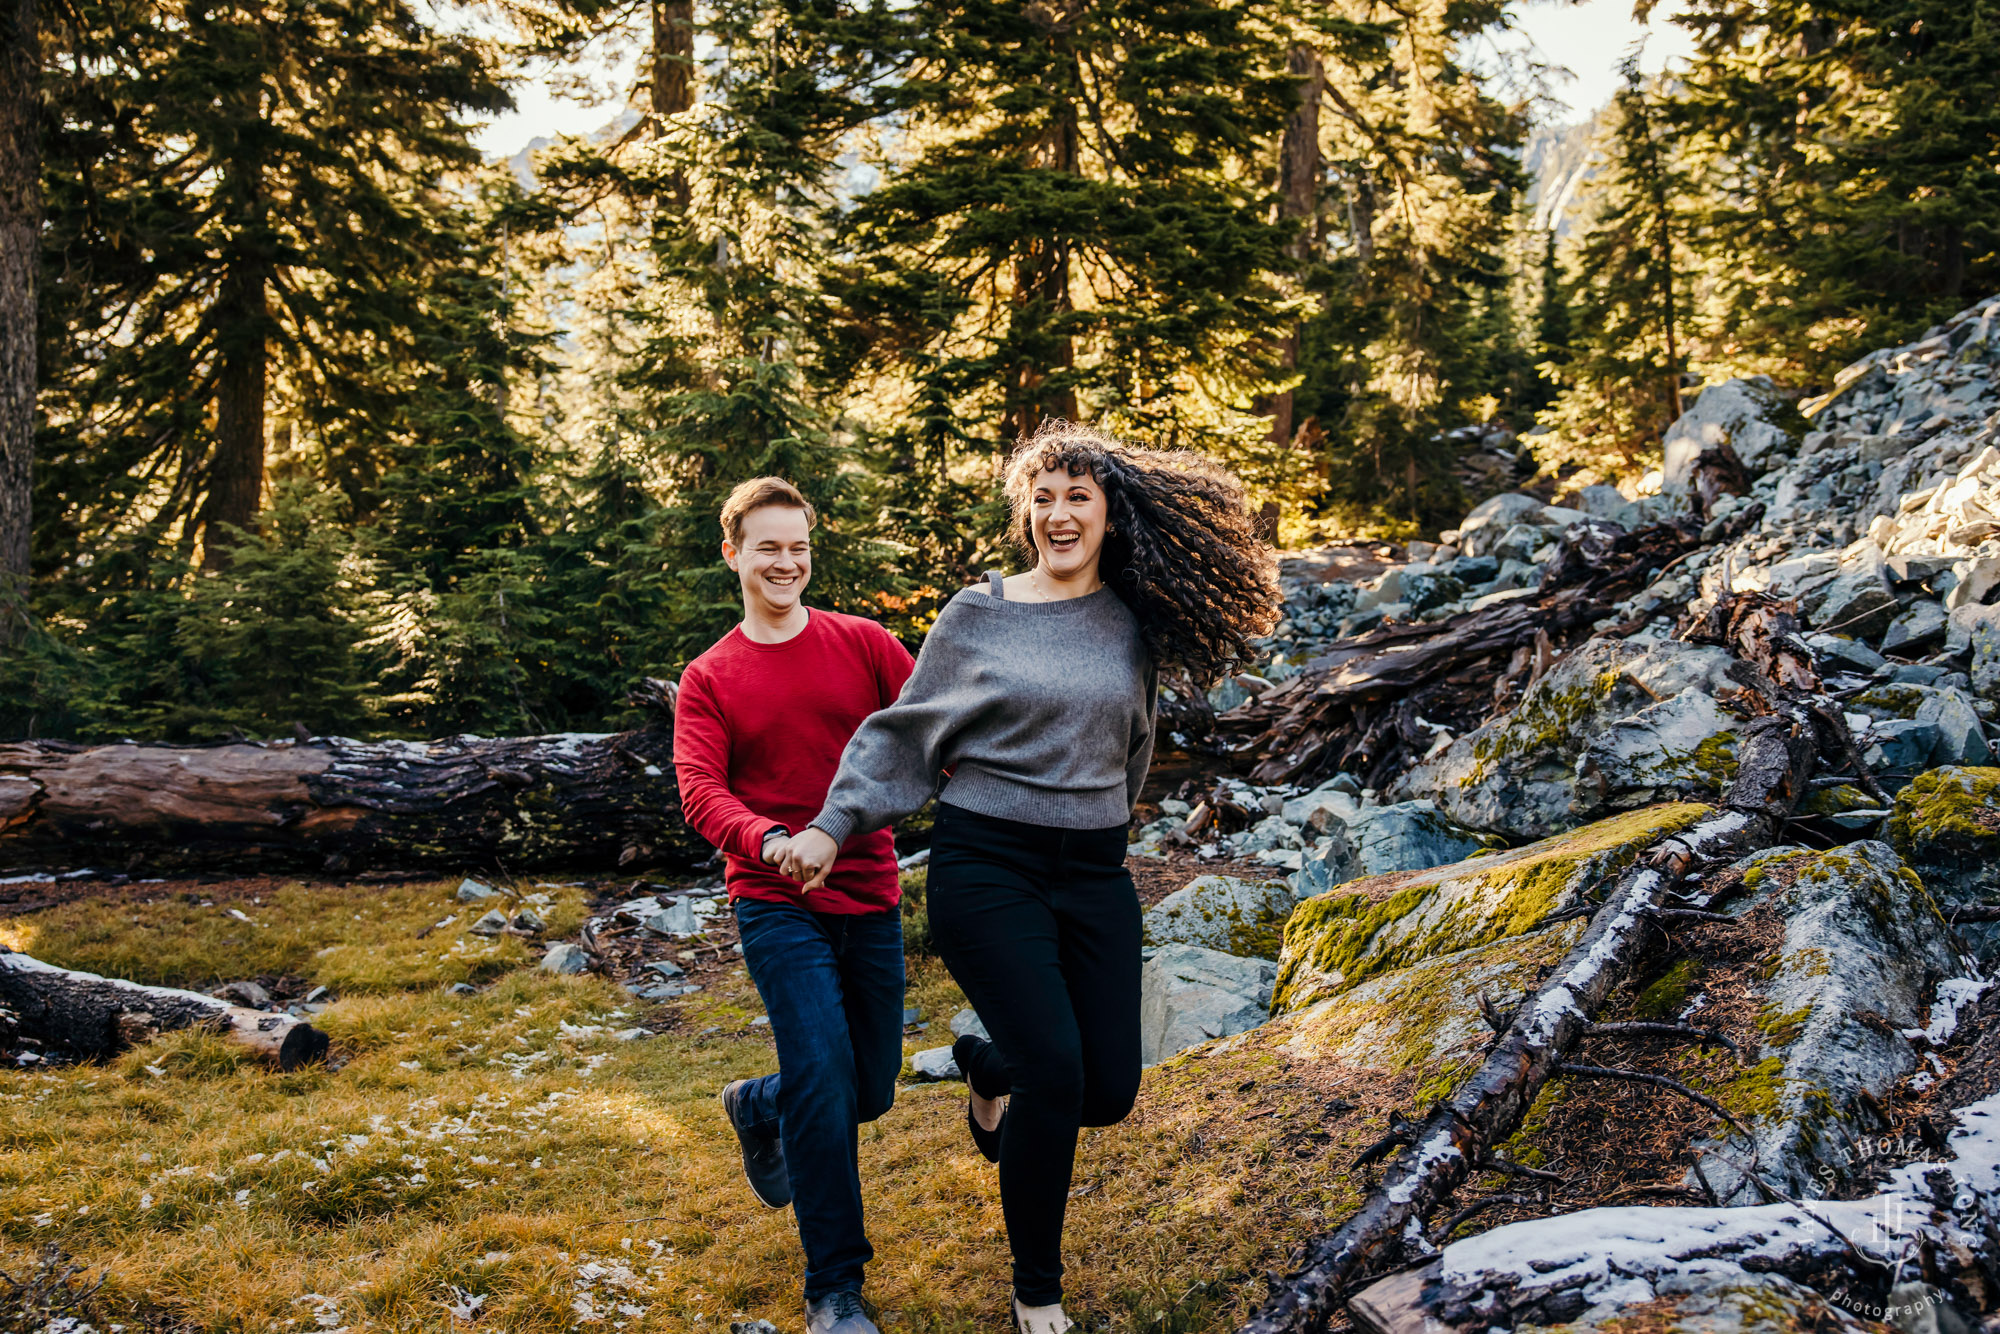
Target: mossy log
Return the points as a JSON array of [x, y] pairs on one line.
[[331, 805], [1776, 759], [96, 1016], [1356, 709]]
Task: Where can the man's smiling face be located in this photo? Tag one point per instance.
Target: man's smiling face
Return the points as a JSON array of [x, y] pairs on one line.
[[774, 560]]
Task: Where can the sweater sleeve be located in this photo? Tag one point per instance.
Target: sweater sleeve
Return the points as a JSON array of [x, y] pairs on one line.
[[1139, 758], [891, 766], [701, 767]]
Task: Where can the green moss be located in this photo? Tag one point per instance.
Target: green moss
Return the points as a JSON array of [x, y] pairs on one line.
[[1337, 941], [1547, 719], [1521, 1147], [1836, 800], [1781, 1028], [1715, 760], [1667, 996], [1958, 804], [1757, 1092], [1894, 701]]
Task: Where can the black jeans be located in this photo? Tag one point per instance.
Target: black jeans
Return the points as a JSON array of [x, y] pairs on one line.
[[1041, 929], [833, 986]]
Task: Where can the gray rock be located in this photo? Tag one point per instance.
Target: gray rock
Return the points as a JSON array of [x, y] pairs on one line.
[[472, 891], [1682, 745], [752, 1327], [1961, 740], [1331, 862], [967, 1022], [662, 991], [676, 919], [1947, 827], [663, 968], [1899, 745], [1188, 995], [1329, 801], [1270, 832], [494, 923], [1748, 415], [1473, 570], [1858, 601], [1922, 626], [1517, 774], [1604, 502], [248, 994], [1221, 912], [1915, 674], [1519, 544], [1410, 836], [935, 1063], [1497, 514], [462, 989], [1907, 571], [1861, 939], [529, 920], [1844, 654], [565, 958]]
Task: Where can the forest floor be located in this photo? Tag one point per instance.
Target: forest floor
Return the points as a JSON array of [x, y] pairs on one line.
[[507, 1161]]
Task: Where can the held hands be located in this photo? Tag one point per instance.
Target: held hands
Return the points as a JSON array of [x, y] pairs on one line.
[[808, 858], [775, 844]]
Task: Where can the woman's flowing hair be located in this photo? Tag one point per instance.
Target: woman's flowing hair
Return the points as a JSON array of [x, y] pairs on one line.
[[1184, 553]]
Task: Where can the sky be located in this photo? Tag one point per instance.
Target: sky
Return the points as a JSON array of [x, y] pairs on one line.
[[1588, 39]]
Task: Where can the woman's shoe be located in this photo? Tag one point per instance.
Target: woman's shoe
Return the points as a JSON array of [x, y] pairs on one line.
[[1041, 1319], [986, 1141]]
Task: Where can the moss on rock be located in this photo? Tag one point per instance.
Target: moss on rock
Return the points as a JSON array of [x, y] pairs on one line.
[[1335, 942]]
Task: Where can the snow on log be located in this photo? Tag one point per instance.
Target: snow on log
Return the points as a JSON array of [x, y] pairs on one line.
[[95, 1016], [1547, 1271], [578, 800]]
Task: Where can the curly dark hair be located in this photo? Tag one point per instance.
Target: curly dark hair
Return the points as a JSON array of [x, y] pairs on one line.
[[1183, 552]]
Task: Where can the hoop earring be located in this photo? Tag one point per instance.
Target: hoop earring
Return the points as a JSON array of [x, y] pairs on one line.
[[1111, 530]]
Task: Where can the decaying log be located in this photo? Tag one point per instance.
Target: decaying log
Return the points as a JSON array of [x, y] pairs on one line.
[[1776, 755], [333, 805], [95, 1016], [1357, 709]]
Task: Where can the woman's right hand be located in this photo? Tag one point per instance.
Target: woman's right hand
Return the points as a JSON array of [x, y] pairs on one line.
[[809, 857]]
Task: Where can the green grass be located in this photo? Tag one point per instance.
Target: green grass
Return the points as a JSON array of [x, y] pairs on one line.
[[511, 1146]]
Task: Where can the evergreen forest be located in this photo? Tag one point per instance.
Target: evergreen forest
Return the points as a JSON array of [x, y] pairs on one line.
[[312, 416]]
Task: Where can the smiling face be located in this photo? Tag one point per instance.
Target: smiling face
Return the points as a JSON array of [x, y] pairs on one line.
[[1067, 516], [774, 560]]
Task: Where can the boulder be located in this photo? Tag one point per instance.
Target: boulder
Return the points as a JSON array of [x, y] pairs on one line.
[[564, 958], [1188, 995], [1961, 739], [1916, 630], [967, 1021], [1220, 912], [675, 919], [1518, 545], [1408, 836], [1898, 745], [1858, 600], [1685, 745], [1946, 826], [1863, 952], [1957, 738], [494, 923], [1499, 513], [1517, 774], [1329, 863], [1335, 942], [1748, 415]]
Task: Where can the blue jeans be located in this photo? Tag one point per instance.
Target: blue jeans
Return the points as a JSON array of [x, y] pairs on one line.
[[833, 986]]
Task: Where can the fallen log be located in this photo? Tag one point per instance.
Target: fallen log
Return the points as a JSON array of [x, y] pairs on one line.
[[332, 805], [96, 1016], [1363, 708], [1776, 757]]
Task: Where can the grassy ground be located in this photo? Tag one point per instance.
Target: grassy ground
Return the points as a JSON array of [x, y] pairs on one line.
[[509, 1161]]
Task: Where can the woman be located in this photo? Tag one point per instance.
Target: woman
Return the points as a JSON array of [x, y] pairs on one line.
[[1037, 693]]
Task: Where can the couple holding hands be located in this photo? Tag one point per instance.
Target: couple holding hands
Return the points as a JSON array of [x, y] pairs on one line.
[[804, 735]]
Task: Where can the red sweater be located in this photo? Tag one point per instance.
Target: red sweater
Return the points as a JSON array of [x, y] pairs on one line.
[[758, 732]]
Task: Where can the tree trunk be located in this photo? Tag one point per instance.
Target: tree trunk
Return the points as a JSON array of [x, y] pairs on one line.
[[236, 475], [673, 56], [95, 1016], [510, 804], [1298, 199], [20, 260], [1042, 300]]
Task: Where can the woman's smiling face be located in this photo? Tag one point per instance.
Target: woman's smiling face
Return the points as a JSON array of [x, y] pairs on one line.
[[1069, 522]]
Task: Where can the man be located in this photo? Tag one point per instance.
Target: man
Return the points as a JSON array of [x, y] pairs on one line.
[[761, 721]]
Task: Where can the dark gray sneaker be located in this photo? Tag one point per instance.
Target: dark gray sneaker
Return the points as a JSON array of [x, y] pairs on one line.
[[840, 1313], [763, 1153]]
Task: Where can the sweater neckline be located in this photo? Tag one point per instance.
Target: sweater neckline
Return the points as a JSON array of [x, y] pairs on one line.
[[1052, 608], [813, 618]]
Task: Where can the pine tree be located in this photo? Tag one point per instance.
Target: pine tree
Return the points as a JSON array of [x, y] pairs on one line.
[[1619, 380]]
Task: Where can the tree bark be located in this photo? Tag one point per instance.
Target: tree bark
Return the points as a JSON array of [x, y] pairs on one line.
[[95, 1016], [1042, 297], [236, 474], [673, 56], [336, 806], [1298, 200], [20, 262]]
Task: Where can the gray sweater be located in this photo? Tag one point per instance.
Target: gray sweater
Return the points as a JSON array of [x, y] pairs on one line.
[[1043, 712]]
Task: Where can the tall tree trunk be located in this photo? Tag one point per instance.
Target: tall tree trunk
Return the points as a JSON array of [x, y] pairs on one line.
[[673, 78], [20, 257], [1298, 200], [1042, 299], [236, 476]]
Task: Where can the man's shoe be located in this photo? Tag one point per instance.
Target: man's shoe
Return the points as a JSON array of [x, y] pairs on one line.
[[839, 1313], [763, 1153], [986, 1141]]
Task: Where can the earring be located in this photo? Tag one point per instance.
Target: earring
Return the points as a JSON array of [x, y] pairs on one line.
[[1111, 530]]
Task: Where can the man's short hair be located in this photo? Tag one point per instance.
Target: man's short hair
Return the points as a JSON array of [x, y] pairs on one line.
[[755, 494]]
